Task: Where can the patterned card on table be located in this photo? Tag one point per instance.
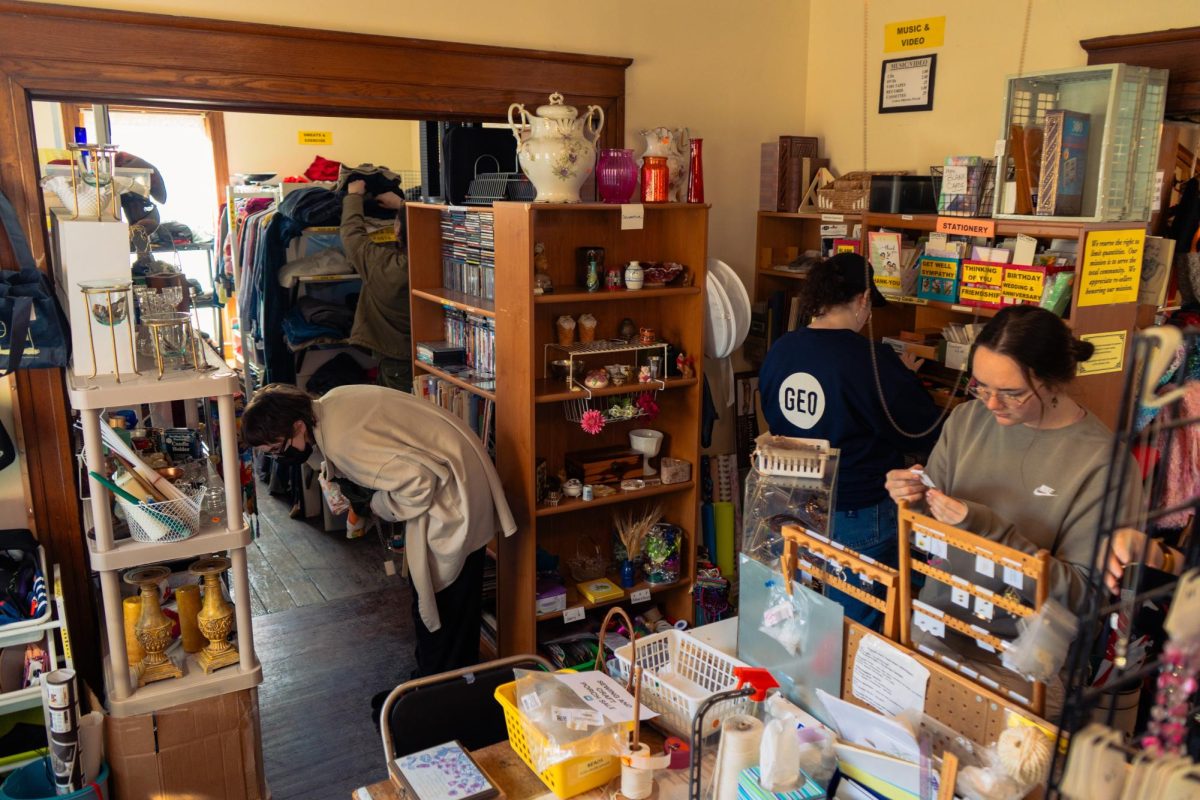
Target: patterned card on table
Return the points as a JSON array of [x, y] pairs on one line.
[[444, 772]]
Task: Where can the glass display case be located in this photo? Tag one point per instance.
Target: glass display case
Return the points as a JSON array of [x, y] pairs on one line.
[[1097, 161]]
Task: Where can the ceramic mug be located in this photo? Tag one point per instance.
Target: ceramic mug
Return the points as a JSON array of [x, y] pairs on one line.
[[647, 335]]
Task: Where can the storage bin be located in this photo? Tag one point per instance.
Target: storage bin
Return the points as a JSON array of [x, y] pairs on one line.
[[566, 779], [36, 782], [679, 672], [1125, 106]]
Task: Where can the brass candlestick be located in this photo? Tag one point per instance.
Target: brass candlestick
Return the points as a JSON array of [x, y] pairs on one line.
[[216, 616], [153, 629], [107, 301]]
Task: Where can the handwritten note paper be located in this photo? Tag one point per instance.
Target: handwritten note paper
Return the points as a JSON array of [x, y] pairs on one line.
[[887, 678], [633, 216]]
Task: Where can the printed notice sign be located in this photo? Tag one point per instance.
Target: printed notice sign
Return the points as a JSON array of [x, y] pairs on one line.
[[906, 84], [315, 137], [1112, 261], [1109, 355], [914, 34]]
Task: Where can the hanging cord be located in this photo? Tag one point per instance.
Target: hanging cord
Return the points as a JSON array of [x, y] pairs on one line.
[[887, 412]]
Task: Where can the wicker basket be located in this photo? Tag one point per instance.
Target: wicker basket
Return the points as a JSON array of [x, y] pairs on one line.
[[849, 193]]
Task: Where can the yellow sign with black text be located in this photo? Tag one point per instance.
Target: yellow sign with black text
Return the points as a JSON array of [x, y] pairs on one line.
[[315, 137], [1112, 261], [1109, 355], [914, 34]]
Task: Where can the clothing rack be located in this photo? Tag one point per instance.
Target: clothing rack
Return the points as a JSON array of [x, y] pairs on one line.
[[1149, 423], [244, 192]]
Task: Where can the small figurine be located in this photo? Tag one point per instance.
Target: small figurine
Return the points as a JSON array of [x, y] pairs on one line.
[[540, 262], [685, 363], [644, 375], [627, 330]]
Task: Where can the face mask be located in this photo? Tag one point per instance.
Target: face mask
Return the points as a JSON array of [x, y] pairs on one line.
[[294, 456]]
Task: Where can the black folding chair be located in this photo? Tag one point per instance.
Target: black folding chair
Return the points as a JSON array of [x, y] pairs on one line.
[[459, 704]]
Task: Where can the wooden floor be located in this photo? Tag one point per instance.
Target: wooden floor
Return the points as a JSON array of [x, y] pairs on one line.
[[331, 629]]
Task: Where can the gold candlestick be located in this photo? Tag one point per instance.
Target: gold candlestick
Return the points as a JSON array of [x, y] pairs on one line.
[[153, 629], [216, 616]]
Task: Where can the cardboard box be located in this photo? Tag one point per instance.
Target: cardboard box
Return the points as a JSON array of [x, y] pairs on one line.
[[1064, 163], [208, 749]]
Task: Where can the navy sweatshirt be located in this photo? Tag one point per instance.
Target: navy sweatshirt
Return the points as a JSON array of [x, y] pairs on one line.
[[817, 384]]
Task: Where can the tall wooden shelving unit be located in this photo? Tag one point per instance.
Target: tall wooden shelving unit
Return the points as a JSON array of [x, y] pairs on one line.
[[1099, 393], [530, 421]]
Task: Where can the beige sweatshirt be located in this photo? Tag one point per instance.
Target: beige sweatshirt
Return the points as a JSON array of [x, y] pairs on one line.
[[427, 468], [1028, 489]]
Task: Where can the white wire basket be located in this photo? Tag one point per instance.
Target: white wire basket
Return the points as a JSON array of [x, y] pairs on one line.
[[791, 457], [158, 523], [679, 672]]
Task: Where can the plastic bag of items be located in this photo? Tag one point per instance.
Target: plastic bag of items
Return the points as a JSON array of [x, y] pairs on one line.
[[569, 726], [1041, 647]]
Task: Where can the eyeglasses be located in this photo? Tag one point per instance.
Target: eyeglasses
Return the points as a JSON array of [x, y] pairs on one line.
[[275, 449], [1009, 398]]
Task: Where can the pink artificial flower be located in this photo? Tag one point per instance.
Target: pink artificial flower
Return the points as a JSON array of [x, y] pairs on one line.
[[592, 422], [645, 402]]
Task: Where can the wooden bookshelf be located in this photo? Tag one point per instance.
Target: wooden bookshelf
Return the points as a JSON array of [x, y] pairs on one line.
[[530, 421]]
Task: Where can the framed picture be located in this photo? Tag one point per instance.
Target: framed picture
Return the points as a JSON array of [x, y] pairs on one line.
[[906, 84]]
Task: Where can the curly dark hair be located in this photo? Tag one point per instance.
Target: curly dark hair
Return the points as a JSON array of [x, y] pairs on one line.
[[823, 289], [273, 412], [1038, 340]]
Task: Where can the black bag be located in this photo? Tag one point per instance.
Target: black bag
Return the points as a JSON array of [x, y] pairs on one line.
[[21, 595], [34, 333]]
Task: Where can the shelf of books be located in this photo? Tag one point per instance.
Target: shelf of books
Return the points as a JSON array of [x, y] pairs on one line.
[[943, 287]]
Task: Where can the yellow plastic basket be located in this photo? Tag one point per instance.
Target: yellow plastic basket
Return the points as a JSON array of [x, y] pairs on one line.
[[566, 779]]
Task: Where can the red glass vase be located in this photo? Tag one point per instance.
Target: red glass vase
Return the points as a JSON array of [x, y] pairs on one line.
[[616, 175], [655, 179], [695, 192]]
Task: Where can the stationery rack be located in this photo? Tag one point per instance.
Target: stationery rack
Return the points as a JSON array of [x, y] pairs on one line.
[[1154, 416]]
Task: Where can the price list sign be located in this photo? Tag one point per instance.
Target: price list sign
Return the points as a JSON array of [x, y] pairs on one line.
[[906, 84]]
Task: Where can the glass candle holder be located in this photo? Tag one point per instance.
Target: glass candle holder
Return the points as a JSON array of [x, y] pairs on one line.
[[616, 175], [173, 341], [656, 178], [107, 301]]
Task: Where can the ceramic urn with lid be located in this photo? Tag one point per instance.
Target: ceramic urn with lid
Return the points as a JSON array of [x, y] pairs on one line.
[[556, 147]]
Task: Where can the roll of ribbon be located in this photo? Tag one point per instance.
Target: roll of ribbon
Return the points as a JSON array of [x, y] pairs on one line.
[[740, 739], [131, 609], [188, 599], [681, 624], [678, 750]]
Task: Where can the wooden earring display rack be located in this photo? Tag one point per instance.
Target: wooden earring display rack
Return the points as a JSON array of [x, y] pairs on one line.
[[937, 534]]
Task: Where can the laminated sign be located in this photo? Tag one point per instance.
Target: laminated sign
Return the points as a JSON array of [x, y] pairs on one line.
[[1112, 262]]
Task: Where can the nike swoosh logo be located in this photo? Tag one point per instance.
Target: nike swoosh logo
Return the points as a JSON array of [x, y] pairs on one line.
[[1044, 491]]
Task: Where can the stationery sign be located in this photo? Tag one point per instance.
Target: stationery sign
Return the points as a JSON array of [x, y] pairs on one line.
[[1112, 262], [914, 34], [906, 84], [315, 137]]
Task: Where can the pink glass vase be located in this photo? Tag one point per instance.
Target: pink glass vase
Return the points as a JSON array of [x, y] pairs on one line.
[[616, 175]]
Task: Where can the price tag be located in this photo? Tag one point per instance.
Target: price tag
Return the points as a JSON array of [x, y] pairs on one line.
[[934, 627], [984, 608], [640, 596], [985, 566], [574, 614], [960, 597], [1156, 202], [921, 542], [531, 702], [939, 548], [633, 216], [1001, 148], [906, 217], [842, 217], [1014, 578], [985, 646]]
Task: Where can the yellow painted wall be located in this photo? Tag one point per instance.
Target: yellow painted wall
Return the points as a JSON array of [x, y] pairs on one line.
[[731, 71], [269, 142], [982, 47]]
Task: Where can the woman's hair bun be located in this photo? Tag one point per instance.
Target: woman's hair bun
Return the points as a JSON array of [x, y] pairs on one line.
[[1081, 350]]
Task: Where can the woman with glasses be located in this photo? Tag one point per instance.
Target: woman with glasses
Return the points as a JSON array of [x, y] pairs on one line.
[[1024, 466], [819, 382]]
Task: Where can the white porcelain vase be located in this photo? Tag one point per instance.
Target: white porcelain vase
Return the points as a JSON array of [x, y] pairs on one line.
[[671, 144], [556, 147]]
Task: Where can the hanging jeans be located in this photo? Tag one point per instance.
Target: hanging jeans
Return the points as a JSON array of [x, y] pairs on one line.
[[871, 531]]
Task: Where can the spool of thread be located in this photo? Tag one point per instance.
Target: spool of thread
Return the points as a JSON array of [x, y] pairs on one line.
[[636, 783], [681, 624], [723, 517], [662, 626], [188, 599], [131, 609], [741, 737], [678, 750]]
